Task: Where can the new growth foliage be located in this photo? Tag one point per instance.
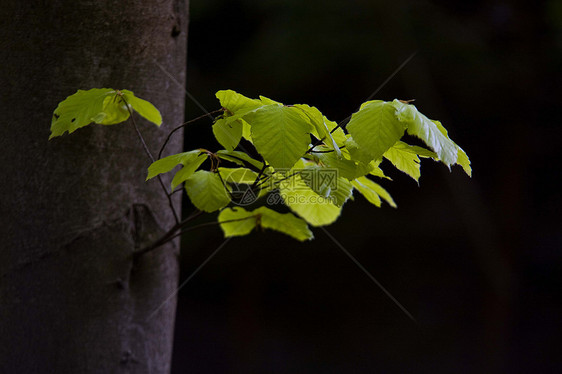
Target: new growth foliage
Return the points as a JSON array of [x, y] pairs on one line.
[[293, 157]]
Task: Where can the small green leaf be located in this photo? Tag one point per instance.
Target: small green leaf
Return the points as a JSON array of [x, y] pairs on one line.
[[376, 170], [372, 191], [240, 222], [81, 109], [375, 128], [280, 134], [143, 107], [286, 223], [228, 134], [206, 191], [189, 160], [321, 128]]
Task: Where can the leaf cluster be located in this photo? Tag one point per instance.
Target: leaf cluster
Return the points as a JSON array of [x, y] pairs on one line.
[[282, 167]]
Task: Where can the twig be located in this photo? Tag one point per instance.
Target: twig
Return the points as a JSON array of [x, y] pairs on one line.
[[168, 235], [149, 154], [182, 126]]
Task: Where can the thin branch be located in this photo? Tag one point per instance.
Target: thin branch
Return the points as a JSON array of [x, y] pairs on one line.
[[149, 154], [182, 126], [206, 224], [265, 166], [168, 235], [172, 235]]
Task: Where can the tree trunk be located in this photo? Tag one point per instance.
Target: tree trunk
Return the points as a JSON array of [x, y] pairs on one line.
[[73, 209]]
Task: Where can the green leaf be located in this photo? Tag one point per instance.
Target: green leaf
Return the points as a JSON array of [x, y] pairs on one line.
[[375, 128], [143, 107], [462, 157], [464, 162], [372, 191], [238, 175], [280, 134], [240, 221], [237, 103], [239, 158], [425, 129], [189, 160], [81, 109], [346, 168], [376, 170], [237, 221], [104, 106], [228, 134], [326, 183], [286, 223], [301, 199], [322, 130], [355, 152], [206, 191]]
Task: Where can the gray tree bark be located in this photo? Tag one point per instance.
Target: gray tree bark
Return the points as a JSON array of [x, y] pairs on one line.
[[73, 209]]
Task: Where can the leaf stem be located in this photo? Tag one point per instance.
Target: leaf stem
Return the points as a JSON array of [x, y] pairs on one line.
[[172, 234]]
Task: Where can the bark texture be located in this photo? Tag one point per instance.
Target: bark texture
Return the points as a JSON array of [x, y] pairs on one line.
[[73, 209]]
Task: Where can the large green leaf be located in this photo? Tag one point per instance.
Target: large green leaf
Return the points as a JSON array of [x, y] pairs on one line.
[[286, 223], [375, 128], [280, 134], [206, 191], [239, 222], [301, 199], [372, 191], [228, 133], [80, 109], [189, 160], [237, 103], [425, 129]]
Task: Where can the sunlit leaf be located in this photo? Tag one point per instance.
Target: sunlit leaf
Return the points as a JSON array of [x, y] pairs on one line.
[[189, 160], [313, 208], [228, 134], [375, 128], [206, 191], [321, 128], [143, 107], [280, 134], [372, 191], [286, 223], [80, 109], [241, 222]]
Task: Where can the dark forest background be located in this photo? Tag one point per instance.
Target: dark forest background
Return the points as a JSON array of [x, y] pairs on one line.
[[476, 261]]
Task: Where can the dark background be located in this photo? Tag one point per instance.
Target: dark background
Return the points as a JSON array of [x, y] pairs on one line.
[[476, 261]]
